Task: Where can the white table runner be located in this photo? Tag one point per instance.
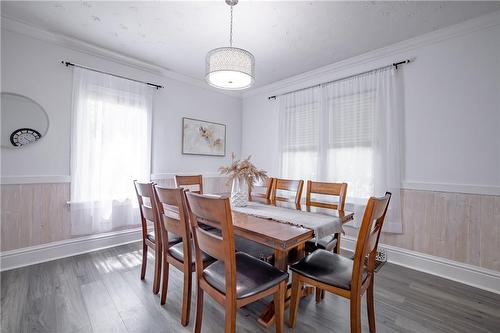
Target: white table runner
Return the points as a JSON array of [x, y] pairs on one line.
[[322, 224]]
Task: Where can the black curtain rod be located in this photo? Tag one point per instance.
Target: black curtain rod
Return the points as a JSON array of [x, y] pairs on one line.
[[396, 64], [67, 64]]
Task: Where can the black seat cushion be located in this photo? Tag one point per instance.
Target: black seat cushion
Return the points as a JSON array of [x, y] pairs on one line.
[[327, 267], [172, 238], [252, 275], [254, 249], [326, 243], [151, 236], [177, 251]]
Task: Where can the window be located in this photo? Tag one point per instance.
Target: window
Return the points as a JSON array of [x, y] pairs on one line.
[[299, 124], [350, 142], [111, 147], [346, 131]]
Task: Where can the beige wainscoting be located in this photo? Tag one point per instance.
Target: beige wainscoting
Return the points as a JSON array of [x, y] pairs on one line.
[[455, 226], [34, 214], [460, 227]]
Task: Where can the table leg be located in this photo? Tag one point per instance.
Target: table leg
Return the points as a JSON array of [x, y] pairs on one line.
[[281, 260], [266, 319]]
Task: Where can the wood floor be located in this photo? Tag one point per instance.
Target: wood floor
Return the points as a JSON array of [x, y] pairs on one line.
[[102, 292]]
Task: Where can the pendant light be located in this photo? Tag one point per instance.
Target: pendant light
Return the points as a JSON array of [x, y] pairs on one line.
[[230, 67]]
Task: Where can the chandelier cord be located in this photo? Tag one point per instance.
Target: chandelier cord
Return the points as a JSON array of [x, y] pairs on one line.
[[231, 29]]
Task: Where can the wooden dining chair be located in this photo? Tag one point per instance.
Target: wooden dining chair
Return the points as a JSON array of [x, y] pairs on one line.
[[173, 216], [346, 277], [287, 185], [330, 242], [261, 191], [150, 240], [339, 190], [236, 279], [194, 183]]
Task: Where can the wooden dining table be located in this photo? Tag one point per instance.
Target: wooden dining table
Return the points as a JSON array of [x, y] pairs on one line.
[[282, 238]]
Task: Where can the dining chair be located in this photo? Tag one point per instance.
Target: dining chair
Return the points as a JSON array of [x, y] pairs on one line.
[[150, 240], [346, 277], [330, 242], [173, 217], [339, 190], [236, 278], [189, 182], [287, 185], [263, 193]]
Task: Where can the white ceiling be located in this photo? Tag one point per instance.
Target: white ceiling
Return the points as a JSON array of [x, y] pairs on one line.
[[287, 38]]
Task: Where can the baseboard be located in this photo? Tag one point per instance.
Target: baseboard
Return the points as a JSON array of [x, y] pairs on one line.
[[478, 277], [471, 275], [66, 248]]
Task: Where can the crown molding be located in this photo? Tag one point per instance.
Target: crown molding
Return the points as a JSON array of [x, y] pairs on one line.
[[24, 28], [316, 76]]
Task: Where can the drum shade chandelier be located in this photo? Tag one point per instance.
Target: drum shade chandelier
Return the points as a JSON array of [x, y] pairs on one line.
[[230, 67]]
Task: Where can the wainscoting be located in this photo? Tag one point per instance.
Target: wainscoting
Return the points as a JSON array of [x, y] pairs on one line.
[[459, 227], [36, 214], [455, 226]]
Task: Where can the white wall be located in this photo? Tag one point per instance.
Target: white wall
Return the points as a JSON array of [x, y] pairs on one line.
[[452, 105], [33, 68]]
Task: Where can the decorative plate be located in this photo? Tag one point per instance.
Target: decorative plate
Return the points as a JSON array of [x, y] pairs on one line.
[[24, 136]]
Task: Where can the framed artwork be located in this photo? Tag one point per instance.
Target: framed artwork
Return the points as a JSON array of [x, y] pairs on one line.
[[201, 137]]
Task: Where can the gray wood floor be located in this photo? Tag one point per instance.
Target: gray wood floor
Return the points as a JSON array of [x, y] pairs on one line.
[[102, 292]]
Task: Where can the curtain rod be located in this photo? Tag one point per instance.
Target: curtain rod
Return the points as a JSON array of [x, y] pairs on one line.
[[396, 64], [67, 64]]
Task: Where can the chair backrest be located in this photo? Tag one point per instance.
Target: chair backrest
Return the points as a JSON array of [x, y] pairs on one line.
[[187, 181], [148, 209], [293, 186], [217, 211], [173, 215], [368, 237], [265, 187], [334, 189]]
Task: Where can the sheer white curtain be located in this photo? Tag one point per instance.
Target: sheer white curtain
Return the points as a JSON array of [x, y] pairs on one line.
[[347, 131], [299, 120], [110, 147]]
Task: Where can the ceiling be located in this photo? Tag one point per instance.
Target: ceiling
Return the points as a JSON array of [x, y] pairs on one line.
[[287, 38]]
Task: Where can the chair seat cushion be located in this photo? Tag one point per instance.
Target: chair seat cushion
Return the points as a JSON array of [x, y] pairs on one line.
[[254, 249], [252, 275], [326, 243], [172, 238], [177, 251], [327, 267]]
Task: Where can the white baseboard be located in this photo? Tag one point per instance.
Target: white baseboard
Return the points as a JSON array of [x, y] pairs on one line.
[[66, 248], [478, 277], [471, 275]]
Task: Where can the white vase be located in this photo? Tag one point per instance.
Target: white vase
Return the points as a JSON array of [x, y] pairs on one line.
[[239, 192]]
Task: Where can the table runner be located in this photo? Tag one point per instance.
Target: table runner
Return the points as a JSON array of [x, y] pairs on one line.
[[322, 224]]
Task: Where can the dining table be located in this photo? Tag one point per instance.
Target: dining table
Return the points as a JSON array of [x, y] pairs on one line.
[[283, 238]]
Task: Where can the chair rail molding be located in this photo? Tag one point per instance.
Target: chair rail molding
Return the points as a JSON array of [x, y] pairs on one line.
[[56, 179], [171, 175], [35, 179], [407, 185], [474, 276], [451, 188]]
